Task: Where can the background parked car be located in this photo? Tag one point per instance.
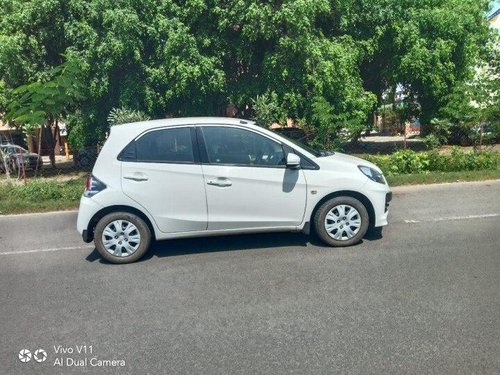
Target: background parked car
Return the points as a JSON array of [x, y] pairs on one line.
[[464, 135], [294, 133], [14, 157], [85, 157]]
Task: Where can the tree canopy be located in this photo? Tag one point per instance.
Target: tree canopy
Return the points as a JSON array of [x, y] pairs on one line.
[[325, 63]]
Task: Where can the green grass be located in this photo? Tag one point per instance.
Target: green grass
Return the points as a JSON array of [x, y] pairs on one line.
[[40, 195], [437, 177], [53, 194]]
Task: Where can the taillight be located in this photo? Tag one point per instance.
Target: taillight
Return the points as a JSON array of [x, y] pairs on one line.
[[93, 186]]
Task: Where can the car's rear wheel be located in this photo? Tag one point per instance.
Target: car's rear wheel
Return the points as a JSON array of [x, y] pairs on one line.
[[341, 221], [122, 237]]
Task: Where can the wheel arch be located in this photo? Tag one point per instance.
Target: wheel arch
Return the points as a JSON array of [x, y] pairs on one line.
[[347, 193], [119, 208]]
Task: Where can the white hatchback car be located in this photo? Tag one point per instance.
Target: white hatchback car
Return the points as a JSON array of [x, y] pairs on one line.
[[190, 177]]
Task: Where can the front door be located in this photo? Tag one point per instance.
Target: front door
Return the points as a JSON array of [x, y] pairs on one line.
[[247, 183]]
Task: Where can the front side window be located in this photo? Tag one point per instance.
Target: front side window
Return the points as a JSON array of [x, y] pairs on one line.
[[236, 146], [161, 146]]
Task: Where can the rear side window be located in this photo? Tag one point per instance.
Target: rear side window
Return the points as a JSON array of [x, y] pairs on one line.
[[161, 146]]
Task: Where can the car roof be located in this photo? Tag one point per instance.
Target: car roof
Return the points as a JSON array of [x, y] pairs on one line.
[[121, 135], [127, 132], [145, 125]]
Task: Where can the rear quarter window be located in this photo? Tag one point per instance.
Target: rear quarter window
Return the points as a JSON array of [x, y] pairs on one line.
[[161, 146]]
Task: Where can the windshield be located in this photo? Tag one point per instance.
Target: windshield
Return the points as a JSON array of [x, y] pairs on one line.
[[314, 151], [13, 150]]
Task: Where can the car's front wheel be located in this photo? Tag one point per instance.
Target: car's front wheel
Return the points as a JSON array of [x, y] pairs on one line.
[[122, 237], [341, 221]]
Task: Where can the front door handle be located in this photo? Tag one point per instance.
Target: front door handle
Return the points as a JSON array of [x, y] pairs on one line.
[[221, 182], [136, 177]]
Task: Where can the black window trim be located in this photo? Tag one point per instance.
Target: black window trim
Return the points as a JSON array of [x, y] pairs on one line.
[[194, 145], [204, 154]]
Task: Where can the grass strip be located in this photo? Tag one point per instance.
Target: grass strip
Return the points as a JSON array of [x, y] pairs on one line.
[[40, 195], [438, 177]]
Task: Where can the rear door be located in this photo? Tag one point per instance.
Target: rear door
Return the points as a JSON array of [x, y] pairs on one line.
[[162, 173], [247, 183]]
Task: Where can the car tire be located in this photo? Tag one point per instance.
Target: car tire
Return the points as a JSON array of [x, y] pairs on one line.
[[122, 237], [341, 221]]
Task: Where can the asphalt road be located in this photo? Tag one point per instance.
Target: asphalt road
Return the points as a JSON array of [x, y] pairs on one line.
[[425, 298]]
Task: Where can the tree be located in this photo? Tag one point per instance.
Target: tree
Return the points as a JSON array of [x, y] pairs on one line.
[[477, 101], [427, 47], [326, 63], [284, 50], [163, 66], [44, 103], [125, 115]]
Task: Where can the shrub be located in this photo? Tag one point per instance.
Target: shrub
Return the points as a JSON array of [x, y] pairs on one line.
[[432, 142], [125, 115], [408, 161], [268, 110]]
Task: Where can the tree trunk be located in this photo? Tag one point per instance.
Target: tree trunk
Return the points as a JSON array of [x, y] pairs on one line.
[[29, 139], [53, 128], [39, 145]]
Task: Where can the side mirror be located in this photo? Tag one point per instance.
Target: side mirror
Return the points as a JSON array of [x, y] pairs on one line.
[[292, 161]]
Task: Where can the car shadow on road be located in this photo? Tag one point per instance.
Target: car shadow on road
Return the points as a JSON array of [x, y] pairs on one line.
[[227, 243], [200, 245]]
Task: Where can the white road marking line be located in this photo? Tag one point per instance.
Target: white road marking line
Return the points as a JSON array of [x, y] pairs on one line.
[[2, 216], [47, 250], [468, 217]]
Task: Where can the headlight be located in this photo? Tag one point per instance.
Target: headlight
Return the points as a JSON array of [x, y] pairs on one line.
[[372, 174]]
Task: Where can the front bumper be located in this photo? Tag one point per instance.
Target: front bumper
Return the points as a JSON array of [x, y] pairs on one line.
[[380, 196], [388, 198]]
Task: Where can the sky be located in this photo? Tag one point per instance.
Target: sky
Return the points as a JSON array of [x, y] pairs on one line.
[[496, 5]]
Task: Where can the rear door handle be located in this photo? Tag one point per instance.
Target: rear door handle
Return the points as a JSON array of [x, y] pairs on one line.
[[221, 182], [136, 177]]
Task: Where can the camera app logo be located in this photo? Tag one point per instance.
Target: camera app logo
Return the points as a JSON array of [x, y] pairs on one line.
[[40, 355], [24, 355]]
